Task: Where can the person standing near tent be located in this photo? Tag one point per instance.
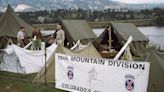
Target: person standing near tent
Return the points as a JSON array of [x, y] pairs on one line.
[[21, 37], [37, 34], [59, 35]]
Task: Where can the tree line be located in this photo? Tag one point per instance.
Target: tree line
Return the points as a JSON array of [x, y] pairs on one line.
[[45, 16]]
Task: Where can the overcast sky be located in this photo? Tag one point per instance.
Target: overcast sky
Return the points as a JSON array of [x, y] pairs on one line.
[[140, 1]]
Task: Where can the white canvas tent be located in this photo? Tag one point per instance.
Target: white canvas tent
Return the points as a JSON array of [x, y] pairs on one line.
[[18, 60]]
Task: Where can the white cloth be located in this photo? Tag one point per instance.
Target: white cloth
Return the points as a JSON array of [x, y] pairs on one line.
[[20, 60]]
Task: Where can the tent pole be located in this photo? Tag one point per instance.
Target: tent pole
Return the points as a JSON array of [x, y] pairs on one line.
[[110, 37], [147, 56], [123, 48], [30, 43], [45, 66], [17, 66]]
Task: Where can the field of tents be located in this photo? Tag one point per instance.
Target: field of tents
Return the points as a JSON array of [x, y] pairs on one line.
[[25, 70]]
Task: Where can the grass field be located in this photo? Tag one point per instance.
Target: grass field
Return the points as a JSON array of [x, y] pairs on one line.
[[10, 82]]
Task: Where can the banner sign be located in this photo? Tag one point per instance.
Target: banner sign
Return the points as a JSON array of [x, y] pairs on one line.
[[83, 74]]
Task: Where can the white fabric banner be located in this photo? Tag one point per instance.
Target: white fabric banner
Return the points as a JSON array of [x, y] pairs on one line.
[[84, 74], [33, 61], [20, 60]]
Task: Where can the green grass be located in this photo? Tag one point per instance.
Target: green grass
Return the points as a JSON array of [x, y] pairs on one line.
[[10, 82]]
